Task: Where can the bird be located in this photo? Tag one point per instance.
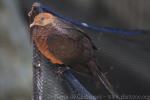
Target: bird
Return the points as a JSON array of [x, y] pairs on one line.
[[63, 43]]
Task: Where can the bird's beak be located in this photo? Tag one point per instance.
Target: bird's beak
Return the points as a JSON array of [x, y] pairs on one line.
[[32, 24]]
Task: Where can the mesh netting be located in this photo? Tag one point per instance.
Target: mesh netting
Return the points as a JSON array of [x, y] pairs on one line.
[[47, 85]]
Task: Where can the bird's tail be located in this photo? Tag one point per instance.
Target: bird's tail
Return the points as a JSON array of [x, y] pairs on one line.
[[100, 77], [107, 84]]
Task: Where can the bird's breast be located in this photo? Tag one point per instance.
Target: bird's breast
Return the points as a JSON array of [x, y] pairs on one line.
[[40, 37]]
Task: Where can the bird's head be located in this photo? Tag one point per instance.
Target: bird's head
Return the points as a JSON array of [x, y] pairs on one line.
[[42, 19]]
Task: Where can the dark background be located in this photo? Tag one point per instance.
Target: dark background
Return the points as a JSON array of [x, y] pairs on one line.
[[125, 59]]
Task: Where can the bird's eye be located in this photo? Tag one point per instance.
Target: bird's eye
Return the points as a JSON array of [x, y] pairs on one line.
[[42, 18]]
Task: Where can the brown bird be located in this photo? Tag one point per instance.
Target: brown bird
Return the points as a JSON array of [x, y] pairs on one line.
[[64, 44]]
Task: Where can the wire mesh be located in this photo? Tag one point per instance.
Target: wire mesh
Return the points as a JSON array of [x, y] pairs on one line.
[[47, 85]]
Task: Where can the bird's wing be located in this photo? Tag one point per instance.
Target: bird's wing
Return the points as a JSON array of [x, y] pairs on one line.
[[70, 26], [84, 34]]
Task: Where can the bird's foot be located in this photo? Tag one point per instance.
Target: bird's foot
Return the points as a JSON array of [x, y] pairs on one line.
[[61, 69]]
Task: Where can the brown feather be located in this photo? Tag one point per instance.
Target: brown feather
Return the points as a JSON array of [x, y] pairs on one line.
[[61, 43]]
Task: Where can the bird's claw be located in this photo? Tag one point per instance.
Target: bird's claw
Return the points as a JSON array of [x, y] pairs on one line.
[[60, 70], [35, 5]]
